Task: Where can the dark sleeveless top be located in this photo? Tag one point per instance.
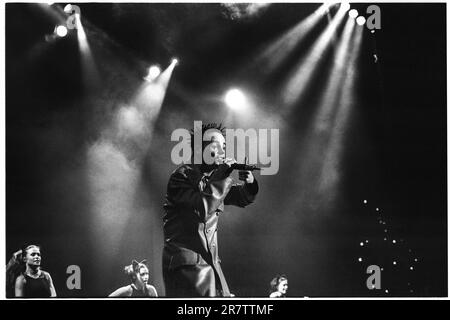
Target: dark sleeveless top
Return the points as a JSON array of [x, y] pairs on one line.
[[36, 288], [143, 293], [139, 293]]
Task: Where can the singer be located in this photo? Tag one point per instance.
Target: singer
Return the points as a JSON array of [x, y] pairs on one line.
[[196, 195]]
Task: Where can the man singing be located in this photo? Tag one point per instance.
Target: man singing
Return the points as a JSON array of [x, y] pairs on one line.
[[196, 195]]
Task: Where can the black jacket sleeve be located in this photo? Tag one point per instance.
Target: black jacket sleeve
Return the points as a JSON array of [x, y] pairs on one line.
[[242, 195], [189, 188]]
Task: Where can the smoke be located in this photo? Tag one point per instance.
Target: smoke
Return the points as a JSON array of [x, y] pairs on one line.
[[236, 11]]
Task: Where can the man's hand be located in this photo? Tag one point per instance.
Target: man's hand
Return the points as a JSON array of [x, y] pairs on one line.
[[246, 176]]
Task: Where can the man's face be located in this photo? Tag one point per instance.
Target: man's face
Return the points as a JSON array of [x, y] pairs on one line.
[[33, 256], [216, 147]]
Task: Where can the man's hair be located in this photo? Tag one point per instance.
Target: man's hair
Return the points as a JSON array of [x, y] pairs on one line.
[[205, 127]]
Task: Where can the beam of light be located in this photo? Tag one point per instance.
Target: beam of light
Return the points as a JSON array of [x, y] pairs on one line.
[[91, 77], [43, 45], [274, 54], [53, 12], [124, 223], [114, 173], [323, 119], [113, 181], [333, 155], [135, 123], [302, 74], [318, 134]]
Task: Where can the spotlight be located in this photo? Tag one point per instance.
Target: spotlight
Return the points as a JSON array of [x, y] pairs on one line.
[[235, 99], [353, 13], [361, 20], [345, 6], [361, 244], [175, 61], [394, 263], [365, 201], [411, 268], [68, 9], [153, 73], [61, 31], [360, 259], [393, 241]]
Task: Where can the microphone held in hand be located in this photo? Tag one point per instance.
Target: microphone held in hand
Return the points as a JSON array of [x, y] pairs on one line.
[[244, 167]]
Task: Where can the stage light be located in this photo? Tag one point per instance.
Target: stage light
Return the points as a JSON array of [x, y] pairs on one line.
[[361, 20], [345, 6], [68, 9], [175, 61], [394, 263], [367, 241], [377, 209], [361, 244], [411, 268], [360, 259], [372, 31], [353, 13], [365, 201], [153, 73], [387, 291], [61, 31], [235, 99], [393, 241]]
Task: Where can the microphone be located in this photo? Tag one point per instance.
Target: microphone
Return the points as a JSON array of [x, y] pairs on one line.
[[244, 167]]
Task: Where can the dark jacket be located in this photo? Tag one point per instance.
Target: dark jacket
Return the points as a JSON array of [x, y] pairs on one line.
[[194, 201]]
